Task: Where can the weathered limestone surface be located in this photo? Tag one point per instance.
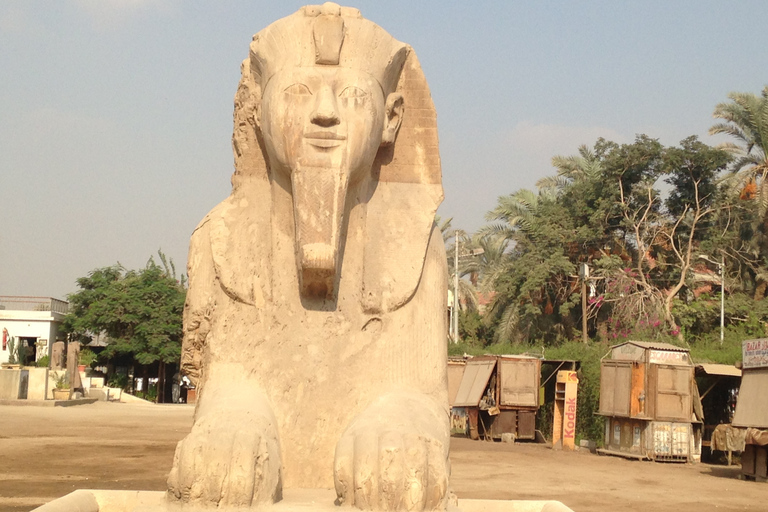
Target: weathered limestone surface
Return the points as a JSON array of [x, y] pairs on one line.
[[57, 358], [9, 384], [99, 500], [315, 323], [37, 387], [73, 355]]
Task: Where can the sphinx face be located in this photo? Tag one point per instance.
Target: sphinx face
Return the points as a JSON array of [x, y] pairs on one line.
[[322, 116], [322, 126]]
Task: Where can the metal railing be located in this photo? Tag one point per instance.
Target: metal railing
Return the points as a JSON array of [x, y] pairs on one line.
[[22, 303]]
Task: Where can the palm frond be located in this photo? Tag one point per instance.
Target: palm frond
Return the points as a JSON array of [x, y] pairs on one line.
[[496, 229], [467, 296], [444, 226], [509, 328], [553, 182]]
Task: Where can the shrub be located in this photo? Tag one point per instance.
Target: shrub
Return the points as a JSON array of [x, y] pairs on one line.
[[60, 380], [473, 330], [87, 357], [21, 353], [12, 352], [118, 380]]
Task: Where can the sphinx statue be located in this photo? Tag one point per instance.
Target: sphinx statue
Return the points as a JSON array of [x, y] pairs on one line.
[[315, 321]]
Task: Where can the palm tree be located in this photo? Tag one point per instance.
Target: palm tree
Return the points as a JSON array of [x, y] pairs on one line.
[[485, 268], [515, 213], [745, 118], [570, 169], [445, 227], [518, 221]]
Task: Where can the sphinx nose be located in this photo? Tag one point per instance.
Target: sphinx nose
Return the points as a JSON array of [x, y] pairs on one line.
[[326, 112]]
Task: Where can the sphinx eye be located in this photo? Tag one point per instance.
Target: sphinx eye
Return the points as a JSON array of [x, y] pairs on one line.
[[298, 90], [353, 92]]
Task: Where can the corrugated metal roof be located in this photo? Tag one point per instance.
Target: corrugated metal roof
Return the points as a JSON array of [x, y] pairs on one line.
[[455, 376], [474, 382], [723, 370], [653, 345]]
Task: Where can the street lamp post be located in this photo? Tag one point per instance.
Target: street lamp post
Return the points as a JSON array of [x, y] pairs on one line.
[[454, 327], [456, 290], [722, 298], [721, 270], [584, 275]]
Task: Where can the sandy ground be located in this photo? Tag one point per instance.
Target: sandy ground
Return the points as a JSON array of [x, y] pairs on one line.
[[48, 452]]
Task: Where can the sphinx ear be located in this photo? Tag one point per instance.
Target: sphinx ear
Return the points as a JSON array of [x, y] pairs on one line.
[[394, 117]]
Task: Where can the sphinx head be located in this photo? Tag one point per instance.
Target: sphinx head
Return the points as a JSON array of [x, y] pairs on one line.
[[327, 81]]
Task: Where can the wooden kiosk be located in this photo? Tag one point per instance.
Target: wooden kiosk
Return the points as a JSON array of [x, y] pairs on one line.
[[752, 409], [500, 395], [650, 402]]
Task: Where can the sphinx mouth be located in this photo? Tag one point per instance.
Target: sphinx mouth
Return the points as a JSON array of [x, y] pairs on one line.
[[324, 139]]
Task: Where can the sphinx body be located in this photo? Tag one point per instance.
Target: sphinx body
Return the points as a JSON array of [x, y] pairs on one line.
[[315, 323]]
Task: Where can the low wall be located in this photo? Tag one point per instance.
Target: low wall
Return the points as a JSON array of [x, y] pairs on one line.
[[38, 383], [9, 384]]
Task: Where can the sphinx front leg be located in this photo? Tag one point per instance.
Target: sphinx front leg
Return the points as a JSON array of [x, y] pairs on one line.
[[394, 456], [232, 455]]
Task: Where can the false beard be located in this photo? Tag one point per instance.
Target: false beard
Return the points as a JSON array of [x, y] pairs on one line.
[[319, 194]]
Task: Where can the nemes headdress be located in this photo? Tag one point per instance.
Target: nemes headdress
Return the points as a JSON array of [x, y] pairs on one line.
[[327, 35], [406, 176]]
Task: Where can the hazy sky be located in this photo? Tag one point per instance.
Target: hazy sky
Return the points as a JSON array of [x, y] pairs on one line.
[[116, 115]]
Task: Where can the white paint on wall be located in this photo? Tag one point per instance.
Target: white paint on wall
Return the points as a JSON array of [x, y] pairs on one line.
[[29, 324]]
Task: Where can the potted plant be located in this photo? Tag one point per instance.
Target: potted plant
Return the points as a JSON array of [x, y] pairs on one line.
[[12, 353], [61, 385], [87, 358]]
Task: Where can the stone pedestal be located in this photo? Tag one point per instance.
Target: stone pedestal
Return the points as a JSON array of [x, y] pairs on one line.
[[296, 500]]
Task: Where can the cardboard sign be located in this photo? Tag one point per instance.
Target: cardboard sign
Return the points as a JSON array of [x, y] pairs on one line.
[[564, 421], [567, 376]]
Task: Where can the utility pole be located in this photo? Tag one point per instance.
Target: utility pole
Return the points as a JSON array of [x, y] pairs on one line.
[[722, 298], [456, 289], [721, 269], [584, 274]]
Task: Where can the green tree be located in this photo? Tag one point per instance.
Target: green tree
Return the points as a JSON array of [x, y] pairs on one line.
[[584, 167], [531, 282], [666, 239], [445, 227], [745, 119], [489, 263], [139, 311], [603, 209]]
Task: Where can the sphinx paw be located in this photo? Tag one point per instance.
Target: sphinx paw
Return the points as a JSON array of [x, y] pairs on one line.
[[391, 469], [227, 460]]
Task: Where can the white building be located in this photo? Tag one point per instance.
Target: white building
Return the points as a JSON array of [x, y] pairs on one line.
[[33, 322]]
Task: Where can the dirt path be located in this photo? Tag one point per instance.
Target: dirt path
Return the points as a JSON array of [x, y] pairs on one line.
[[587, 482], [48, 452]]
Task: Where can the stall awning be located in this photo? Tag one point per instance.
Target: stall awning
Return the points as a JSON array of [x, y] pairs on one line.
[[474, 382], [719, 370], [752, 406]]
